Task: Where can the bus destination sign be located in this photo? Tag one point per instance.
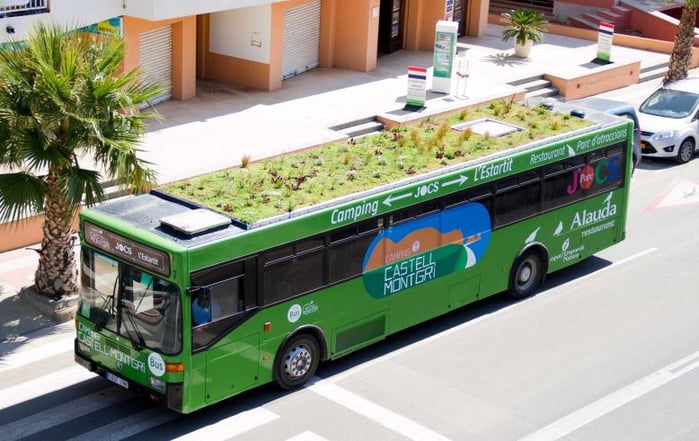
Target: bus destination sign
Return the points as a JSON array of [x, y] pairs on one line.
[[127, 249]]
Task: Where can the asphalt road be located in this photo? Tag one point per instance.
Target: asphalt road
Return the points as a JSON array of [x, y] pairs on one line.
[[609, 350]]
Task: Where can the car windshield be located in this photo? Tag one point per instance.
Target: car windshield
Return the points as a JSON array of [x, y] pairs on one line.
[[130, 302], [670, 103]]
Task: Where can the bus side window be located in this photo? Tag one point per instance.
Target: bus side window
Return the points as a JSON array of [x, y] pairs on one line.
[[218, 300], [291, 277], [226, 298], [221, 293], [517, 198], [345, 258]]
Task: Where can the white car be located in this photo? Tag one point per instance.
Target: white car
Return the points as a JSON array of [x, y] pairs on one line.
[[669, 124]]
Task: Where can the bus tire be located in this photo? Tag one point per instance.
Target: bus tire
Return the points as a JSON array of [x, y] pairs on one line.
[[297, 362], [527, 274]]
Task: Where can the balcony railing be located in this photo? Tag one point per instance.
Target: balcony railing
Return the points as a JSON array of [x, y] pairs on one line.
[[10, 8]]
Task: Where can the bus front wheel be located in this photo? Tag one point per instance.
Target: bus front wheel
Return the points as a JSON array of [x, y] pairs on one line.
[[527, 275], [297, 362]]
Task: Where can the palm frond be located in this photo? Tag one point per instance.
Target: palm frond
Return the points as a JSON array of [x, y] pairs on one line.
[[81, 183], [21, 196]]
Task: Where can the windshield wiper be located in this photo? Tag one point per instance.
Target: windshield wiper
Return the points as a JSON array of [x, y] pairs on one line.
[[137, 345], [106, 311]]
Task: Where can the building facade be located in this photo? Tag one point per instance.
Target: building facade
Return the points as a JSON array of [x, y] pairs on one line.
[[250, 43], [254, 44]]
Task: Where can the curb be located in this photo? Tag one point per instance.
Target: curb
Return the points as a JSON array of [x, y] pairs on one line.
[[61, 310]]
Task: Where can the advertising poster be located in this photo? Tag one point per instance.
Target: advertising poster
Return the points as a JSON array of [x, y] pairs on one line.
[[604, 41], [417, 87], [443, 48], [444, 53]]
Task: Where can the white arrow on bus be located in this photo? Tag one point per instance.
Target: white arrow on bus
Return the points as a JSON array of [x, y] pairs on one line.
[[460, 180], [391, 199]]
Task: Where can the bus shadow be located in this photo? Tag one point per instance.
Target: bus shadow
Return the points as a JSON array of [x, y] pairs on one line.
[[457, 317], [268, 394]]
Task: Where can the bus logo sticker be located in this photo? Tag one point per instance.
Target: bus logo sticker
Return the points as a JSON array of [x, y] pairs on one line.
[[294, 313], [156, 365], [424, 249], [595, 216], [568, 254]]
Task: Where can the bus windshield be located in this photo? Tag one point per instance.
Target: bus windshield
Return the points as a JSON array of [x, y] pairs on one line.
[[131, 303]]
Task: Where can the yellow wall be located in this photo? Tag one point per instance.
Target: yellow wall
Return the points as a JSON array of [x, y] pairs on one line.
[[355, 34], [420, 22], [24, 233], [477, 22], [423, 15], [348, 39], [232, 70]]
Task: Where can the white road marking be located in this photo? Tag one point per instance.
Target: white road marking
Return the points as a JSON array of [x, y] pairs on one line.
[[127, 427], [37, 387], [23, 357], [372, 411], [232, 426], [615, 264], [581, 417], [37, 422], [307, 436]]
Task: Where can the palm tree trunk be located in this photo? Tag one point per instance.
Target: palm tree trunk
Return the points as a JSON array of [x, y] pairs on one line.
[[681, 57], [56, 275]]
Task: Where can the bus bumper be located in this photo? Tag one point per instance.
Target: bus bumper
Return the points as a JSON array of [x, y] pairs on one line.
[[172, 398]]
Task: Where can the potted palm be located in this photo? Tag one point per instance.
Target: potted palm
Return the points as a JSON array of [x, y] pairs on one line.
[[525, 26]]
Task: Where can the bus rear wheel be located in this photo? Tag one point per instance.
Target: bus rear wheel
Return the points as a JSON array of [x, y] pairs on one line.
[[297, 362], [527, 275]]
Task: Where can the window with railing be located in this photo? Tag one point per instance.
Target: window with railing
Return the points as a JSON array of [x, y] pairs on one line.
[[10, 8]]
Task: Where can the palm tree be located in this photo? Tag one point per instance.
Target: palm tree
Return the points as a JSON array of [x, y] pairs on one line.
[[65, 102], [681, 57]]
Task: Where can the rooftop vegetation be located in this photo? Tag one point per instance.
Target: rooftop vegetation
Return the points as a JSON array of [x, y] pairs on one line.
[[258, 190]]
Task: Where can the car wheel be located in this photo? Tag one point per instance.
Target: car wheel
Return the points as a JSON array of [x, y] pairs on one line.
[[527, 275], [686, 151], [297, 361]]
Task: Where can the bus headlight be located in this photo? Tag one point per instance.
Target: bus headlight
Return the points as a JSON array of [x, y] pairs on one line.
[[158, 384]]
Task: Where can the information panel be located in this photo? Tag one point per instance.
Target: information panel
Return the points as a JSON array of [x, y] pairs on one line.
[[127, 249], [417, 86], [604, 41], [444, 53]]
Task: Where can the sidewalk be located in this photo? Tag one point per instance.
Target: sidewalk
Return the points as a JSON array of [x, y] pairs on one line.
[[222, 124]]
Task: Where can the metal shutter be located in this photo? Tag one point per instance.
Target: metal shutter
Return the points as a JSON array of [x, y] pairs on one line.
[[156, 59], [301, 39]]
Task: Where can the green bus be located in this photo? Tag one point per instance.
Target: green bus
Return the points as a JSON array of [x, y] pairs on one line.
[[189, 306]]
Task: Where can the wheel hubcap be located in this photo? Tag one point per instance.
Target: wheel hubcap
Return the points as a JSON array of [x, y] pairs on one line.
[[686, 152], [525, 274], [298, 362]]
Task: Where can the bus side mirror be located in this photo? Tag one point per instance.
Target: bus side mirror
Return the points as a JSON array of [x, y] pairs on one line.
[[204, 299], [202, 295]]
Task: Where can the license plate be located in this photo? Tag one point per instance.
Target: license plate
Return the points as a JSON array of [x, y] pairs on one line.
[[116, 380], [644, 146]]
